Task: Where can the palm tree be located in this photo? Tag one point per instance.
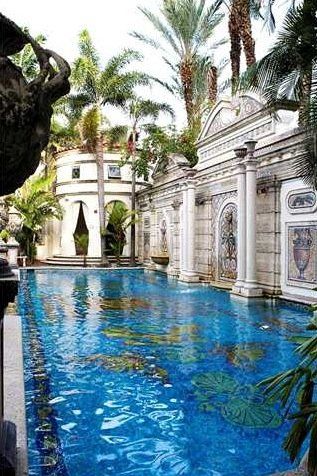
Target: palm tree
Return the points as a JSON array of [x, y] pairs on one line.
[[205, 88], [240, 32], [186, 28], [139, 111], [36, 204], [295, 388], [26, 58], [96, 87], [119, 220], [289, 73]]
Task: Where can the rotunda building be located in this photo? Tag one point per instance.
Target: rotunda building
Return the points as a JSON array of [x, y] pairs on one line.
[[77, 190]]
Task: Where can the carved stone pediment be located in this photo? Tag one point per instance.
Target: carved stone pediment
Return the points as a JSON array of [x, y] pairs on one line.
[[228, 112], [172, 163]]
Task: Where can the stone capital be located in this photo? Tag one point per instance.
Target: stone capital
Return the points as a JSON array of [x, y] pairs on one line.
[[240, 168], [189, 183], [176, 204]]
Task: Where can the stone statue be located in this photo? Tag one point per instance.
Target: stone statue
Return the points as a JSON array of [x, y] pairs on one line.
[[25, 116], [25, 107]]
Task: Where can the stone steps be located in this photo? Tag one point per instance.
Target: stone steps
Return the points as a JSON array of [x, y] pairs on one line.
[[59, 260]]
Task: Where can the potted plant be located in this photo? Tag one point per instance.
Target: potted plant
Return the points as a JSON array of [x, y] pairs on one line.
[[81, 243]]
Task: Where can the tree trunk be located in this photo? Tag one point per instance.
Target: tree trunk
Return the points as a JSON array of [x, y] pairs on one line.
[[212, 79], [303, 108], [186, 73], [133, 183], [101, 198], [309, 47], [246, 32], [235, 42]]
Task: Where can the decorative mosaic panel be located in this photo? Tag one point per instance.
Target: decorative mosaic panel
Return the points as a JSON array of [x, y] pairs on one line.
[[302, 254], [228, 242], [302, 201]]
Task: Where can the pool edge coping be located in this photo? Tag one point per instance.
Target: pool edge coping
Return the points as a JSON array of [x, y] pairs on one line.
[[14, 389]]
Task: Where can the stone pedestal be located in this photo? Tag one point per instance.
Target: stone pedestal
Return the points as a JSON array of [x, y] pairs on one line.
[[13, 251], [188, 271]]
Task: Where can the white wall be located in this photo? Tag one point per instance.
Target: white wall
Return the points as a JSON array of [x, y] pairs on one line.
[[292, 219], [59, 239]]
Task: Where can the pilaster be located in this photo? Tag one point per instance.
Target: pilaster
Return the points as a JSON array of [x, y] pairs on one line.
[[246, 284], [188, 272]]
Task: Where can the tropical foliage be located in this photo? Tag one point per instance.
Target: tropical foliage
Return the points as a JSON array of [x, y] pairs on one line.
[[26, 58], [289, 73], [160, 142], [295, 389], [36, 204], [139, 111], [185, 28], [95, 87], [119, 220], [82, 242]]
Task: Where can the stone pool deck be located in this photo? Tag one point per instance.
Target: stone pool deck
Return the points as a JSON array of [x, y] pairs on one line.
[[14, 402]]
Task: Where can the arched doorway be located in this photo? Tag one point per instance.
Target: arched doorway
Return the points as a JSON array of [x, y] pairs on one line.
[[81, 233], [227, 249]]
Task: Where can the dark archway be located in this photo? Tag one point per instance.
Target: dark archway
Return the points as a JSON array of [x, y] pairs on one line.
[[81, 230]]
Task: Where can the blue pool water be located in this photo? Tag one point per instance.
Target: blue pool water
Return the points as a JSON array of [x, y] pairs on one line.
[[127, 373]]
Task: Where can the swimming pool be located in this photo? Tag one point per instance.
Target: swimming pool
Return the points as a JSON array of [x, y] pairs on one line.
[[127, 373]]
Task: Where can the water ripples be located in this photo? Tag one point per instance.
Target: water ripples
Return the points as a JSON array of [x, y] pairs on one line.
[[122, 402]]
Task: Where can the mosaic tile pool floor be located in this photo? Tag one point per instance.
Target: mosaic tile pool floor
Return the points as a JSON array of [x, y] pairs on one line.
[[128, 373]]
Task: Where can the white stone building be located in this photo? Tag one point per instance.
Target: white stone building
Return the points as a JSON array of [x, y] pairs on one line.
[[238, 219], [76, 188]]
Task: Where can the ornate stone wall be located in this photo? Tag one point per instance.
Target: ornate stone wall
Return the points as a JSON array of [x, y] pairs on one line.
[[299, 233], [285, 251], [268, 243]]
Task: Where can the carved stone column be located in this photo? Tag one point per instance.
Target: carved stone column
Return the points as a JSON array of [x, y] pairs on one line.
[[246, 284], [251, 288], [173, 269], [188, 269], [241, 179]]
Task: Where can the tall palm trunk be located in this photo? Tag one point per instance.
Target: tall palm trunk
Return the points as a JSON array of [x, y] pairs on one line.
[[101, 197], [309, 42], [303, 108], [235, 41], [212, 79], [246, 32], [186, 73], [240, 31], [133, 187]]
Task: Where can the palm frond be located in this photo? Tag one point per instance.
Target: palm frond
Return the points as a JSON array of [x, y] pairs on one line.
[[164, 30]]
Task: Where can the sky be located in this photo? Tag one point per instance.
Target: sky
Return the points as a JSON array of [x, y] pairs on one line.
[[109, 23]]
